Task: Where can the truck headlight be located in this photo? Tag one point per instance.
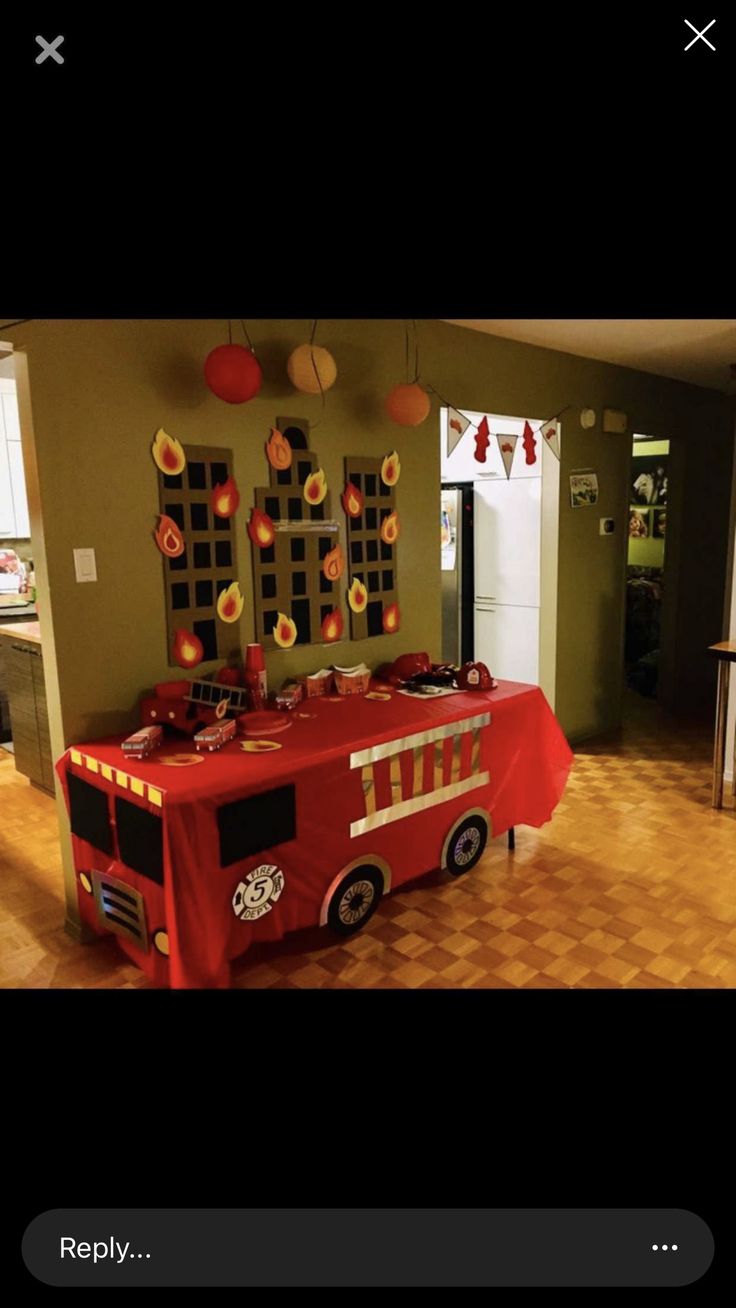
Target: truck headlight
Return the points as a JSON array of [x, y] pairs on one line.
[[161, 942]]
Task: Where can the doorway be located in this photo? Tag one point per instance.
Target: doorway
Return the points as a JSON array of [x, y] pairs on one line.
[[647, 534]]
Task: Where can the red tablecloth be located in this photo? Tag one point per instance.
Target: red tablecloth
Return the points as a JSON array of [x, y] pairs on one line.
[[313, 811]]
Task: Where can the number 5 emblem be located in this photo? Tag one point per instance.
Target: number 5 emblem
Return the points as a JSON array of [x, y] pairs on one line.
[[258, 893]]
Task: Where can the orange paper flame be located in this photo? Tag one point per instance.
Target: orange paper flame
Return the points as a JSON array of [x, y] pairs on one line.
[[230, 603], [357, 596], [168, 537], [391, 469], [284, 632], [278, 450], [390, 529], [188, 650], [225, 498], [333, 564], [332, 626], [168, 454], [315, 487], [261, 529], [391, 618], [352, 501]]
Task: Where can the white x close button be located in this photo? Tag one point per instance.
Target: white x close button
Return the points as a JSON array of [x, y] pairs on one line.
[[699, 36], [49, 48]]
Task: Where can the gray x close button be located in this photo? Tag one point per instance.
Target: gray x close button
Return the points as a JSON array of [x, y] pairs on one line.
[[49, 48]]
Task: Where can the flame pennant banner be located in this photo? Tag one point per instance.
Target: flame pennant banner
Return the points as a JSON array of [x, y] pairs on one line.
[[507, 446], [457, 425], [551, 436]]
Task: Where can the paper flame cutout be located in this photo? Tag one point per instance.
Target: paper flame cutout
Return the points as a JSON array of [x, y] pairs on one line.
[[315, 487], [507, 448], [357, 596], [168, 454], [529, 444], [391, 469], [225, 498], [230, 603], [284, 632], [391, 618], [188, 649], [333, 564], [456, 425], [352, 501], [261, 529], [278, 450], [168, 537], [482, 441], [390, 529], [332, 626]]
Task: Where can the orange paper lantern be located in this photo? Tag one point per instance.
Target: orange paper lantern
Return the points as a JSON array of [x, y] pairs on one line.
[[311, 368], [408, 404]]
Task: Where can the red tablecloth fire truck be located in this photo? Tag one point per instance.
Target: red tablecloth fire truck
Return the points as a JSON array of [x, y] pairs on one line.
[[187, 864]]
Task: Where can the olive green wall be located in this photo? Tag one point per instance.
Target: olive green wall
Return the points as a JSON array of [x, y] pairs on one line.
[[100, 389]]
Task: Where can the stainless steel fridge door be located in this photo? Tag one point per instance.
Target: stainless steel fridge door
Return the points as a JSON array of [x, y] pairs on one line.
[[450, 505]]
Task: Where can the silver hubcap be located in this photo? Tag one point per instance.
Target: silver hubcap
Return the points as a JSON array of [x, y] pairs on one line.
[[356, 902], [467, 846]]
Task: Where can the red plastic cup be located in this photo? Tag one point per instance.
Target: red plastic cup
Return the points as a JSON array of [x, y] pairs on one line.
[[254, 660]]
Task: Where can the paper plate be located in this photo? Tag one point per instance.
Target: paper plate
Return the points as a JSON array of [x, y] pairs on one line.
[[259, 746], [267, 722], [180, 760]]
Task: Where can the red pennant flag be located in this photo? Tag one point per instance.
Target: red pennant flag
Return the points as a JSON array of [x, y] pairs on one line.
[[482, 441], [529, 443]]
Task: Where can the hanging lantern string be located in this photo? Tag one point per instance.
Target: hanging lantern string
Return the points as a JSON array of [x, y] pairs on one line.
[[411, 381], [474, 426], [247, 337], [230, 331], [316, 373]]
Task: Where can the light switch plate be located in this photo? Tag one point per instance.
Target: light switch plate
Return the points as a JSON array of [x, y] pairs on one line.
[[615, 421], [85, 565]]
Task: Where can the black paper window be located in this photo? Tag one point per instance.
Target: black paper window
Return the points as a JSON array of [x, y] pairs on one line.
[[89, 814], [140, 840], [248, 826]]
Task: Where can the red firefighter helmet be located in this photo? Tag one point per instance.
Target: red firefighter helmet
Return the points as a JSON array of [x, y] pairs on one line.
[[474, 676]]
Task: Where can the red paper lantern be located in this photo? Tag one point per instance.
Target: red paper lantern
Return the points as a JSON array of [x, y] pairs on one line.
[[408, 404], [233, 374]]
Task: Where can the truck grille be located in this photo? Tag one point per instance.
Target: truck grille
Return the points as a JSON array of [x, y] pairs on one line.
[[120, 908]]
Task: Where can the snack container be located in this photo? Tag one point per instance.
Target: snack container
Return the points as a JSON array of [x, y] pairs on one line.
[[290, 695], [216, 735], [352, 681], [143, 742], [318, 683]]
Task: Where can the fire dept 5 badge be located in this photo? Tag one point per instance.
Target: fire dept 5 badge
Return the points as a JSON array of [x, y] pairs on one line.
[[258, 893]]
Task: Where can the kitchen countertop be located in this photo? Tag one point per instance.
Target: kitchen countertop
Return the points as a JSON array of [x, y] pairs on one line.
[[30, 631]]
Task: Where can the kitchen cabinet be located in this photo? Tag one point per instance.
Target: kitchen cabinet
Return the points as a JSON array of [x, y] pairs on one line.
[[13, 499], [508, 527], [507, 641], [23, 681]]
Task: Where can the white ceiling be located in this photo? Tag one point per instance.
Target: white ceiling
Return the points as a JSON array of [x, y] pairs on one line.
[[697, 350]]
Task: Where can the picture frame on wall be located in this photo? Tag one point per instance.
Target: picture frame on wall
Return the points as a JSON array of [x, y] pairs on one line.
[[659, 523], [639, 524], [649, 480], [583, 488]]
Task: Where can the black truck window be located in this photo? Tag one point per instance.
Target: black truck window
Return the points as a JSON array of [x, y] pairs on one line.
[[249, 825], [89, 813], [140, 840]]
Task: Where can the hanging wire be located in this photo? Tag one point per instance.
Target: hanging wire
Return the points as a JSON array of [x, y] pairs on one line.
[[230, 331], [316, 373], [247, 337], [7, 325]]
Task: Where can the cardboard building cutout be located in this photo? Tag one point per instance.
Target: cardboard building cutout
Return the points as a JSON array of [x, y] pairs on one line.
[[371, 548], [292, 533]]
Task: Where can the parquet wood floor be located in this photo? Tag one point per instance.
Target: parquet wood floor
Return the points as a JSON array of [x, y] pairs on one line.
[[632, 884]]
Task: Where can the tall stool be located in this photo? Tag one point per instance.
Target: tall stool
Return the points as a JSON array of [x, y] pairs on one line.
[[725, 652]]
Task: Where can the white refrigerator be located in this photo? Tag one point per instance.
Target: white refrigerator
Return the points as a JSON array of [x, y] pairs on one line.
[[507, 565]]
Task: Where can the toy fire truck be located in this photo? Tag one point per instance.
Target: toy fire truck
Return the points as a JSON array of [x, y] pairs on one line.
[[216, 735], [143, 742]]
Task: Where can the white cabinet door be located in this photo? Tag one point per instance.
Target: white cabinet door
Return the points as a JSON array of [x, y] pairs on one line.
[[7, 510], [507, 641], [18, 488], [507, 541]]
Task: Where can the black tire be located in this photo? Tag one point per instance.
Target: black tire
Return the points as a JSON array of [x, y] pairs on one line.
[[466, 845], [355, 900]]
